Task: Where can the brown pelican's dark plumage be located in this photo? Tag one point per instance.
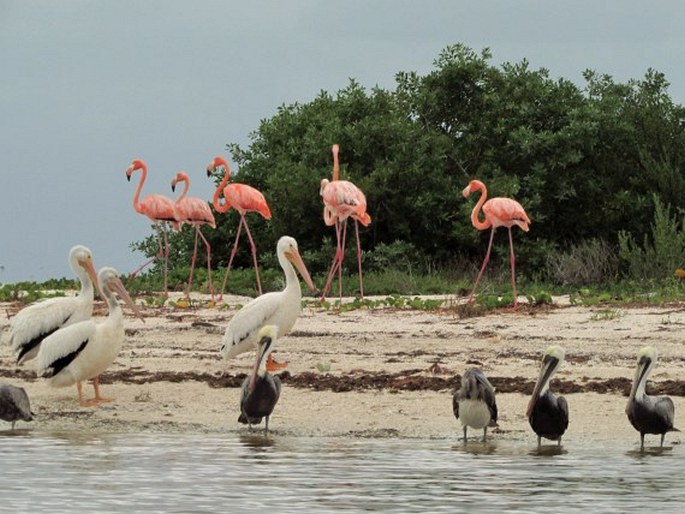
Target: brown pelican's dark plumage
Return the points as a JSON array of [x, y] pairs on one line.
[[474, 404], [648, 414], [14, 404], [548, 414], [260, 390]]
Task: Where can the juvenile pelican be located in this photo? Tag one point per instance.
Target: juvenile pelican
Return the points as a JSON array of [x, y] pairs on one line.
[[649, 414], [281, 309], [14, 404], [548, 414], [85, 350], [474, 404], [260, 391], [37, 321]]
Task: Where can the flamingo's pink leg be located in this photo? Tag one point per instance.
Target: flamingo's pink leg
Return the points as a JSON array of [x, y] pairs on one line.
[[482, 269], [336, 259], [513, 273], [254, 254], [209, 261], [192, 265], [342, 257], [359, 259], [230, 260]]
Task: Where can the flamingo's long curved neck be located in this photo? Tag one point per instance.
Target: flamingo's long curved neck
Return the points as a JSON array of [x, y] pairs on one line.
[[216, 199], [480, 225], [186, 186], [136, 196], [336, 163]]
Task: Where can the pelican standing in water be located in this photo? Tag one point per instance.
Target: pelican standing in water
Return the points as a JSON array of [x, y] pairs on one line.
[[548, 414], [14, 404], [279, 308], [649, 414], [85, 350], [474, 404], [260, 391], [33, 324]]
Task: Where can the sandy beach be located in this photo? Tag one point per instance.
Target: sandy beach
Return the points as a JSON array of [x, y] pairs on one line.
[[373, 372]]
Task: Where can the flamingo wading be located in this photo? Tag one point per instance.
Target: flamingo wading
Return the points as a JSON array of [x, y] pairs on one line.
[[33, 324], [277, 308], [85, 350], [196, 212], [260, 390], [342, 200], [499, 212], [160, 210], [244, 199]]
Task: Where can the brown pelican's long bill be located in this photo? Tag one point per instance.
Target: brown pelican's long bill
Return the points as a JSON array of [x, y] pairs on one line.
[[294, 257], [640, 373], [117, 286], [549, 366]]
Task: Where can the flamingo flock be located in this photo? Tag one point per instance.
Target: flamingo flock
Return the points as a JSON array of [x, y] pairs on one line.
[[70, 347]]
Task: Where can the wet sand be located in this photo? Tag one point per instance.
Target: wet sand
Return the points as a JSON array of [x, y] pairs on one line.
[[374, 372]]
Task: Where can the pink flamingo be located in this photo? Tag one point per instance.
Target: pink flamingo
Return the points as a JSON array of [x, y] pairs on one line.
[[499, 212], [342, 200], [160, 210], [196, 212], [242, 198]]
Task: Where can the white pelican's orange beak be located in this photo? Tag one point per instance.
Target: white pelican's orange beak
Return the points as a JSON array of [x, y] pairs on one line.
[[87, 264], [117, 286], [294, 256]]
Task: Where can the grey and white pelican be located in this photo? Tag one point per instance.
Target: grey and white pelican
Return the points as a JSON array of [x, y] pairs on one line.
[[37, 321], [85, 350], [14, 404], [474, 404], [649, 414], [548, 414], [260, 391], [278, 308]]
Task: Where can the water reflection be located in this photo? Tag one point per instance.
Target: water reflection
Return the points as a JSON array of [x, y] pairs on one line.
[[206, 472]]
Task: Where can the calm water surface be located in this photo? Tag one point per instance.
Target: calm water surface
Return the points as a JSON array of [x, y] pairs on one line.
[[46, 472]]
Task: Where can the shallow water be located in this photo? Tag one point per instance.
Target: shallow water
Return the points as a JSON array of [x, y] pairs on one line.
[[60, 472]]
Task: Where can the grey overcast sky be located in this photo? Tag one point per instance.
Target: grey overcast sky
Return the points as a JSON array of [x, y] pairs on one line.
[[88, 85]]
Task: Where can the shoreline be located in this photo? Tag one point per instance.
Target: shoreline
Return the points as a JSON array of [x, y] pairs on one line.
[[373, 373]]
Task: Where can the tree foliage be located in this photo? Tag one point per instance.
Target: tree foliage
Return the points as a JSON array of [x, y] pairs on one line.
[[583, 160]]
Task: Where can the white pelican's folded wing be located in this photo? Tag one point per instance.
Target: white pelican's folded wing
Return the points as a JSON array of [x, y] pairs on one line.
[[62, 347]]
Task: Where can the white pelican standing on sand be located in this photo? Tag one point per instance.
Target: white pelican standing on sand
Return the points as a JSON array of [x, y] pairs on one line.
[[260, 391], [279, 308], [474, 404], [37, 321], [649, 414], [85, 350]]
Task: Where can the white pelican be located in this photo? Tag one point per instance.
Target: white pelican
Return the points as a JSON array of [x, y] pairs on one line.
[[649, 414], [548, 414], [281, 309], [14, 404], [260, 391], [37, 321], [475, 402], [85, 350]]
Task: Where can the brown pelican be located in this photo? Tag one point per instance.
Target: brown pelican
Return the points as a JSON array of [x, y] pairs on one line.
[[474, 404], [14, 404], [648, 414], [548, 414], [260, 391], [281, 309], [37, 321], [85, 350]]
